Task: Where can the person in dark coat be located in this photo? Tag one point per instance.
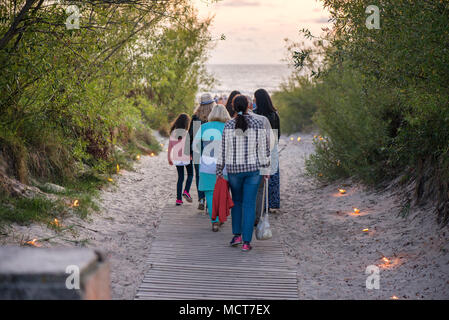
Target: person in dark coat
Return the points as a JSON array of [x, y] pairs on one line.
[[199, 117], [264, 107], [229, 103]]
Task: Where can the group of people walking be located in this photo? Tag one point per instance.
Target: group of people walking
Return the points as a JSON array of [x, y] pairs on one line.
[[237, 141]]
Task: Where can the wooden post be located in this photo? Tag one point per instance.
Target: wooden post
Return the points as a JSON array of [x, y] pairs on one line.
[[53, 273]]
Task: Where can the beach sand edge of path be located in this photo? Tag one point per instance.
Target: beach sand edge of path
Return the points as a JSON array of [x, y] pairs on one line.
[[322, 237]]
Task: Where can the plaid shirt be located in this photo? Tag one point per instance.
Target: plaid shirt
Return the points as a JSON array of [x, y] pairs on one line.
[[244, 152]]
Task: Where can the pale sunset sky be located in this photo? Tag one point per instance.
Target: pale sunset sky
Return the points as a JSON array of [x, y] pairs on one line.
[[255, 29]]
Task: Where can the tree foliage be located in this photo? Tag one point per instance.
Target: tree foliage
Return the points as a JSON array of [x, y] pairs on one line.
[[69, 95], [382, 95]]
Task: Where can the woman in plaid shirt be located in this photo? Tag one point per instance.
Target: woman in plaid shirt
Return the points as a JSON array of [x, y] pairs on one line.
[[246, 154]]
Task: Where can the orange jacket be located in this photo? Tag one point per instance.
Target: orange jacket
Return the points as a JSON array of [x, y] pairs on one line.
[[222, 201]]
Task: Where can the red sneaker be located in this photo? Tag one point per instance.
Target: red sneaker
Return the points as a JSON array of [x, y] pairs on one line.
[[236, 241], [187, 196]]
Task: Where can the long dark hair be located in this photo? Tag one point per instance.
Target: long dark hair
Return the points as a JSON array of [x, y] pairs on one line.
[[264, 104], [229, 103], [240, 104], [181, 122]]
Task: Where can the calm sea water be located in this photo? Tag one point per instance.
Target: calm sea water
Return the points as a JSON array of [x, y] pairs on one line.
[[247, 78]]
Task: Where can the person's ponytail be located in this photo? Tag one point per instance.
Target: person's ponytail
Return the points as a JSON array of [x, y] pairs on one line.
[[240, 104]]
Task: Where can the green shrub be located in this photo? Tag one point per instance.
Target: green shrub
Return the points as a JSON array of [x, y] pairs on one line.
[[383, 96], [296, 103], [70, 96]]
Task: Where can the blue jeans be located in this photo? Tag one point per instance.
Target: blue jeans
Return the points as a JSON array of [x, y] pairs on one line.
[[244, 191]]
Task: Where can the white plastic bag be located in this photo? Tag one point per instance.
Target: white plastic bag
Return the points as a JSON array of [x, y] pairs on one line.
[[263, 230]]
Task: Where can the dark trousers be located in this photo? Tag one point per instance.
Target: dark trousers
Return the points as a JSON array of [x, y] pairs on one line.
[[181, 179], [201, 194]]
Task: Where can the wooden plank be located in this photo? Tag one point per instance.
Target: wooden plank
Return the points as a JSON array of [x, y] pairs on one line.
[[268, 282], [203, 274], [188, 261], [272, 291], [180, 296], [223, 268], [205, 293], [212, 284]]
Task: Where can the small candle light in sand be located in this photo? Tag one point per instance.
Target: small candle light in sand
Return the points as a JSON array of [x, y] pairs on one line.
[[33, 243], [56, 223], [152, 154], [138, 157], [291, 139], [384, 259], [394, 298], [299, 139], [342, 191], [162, 144], [356, 211]]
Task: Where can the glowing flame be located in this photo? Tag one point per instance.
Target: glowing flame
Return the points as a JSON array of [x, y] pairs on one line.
[[356, 211], [75, 203], [320, 174], [56, 223], [342, 191], [138, 157], [299, 139], [386, 260], [162, 144], [152, 154], [33, 243], [394, 298], [291, 139]]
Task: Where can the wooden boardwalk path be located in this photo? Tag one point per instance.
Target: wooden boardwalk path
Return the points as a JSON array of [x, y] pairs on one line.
[[189, 261]]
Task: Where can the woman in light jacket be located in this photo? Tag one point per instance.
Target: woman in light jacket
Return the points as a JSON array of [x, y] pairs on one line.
[[209, 136]]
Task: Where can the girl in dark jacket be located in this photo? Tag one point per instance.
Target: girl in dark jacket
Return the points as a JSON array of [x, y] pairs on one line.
[[176, 156]]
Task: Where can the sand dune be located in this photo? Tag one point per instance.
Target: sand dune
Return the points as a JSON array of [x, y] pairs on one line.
[[323, 240]]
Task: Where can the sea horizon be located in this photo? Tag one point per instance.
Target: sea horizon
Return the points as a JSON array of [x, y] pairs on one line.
[[247, 78]]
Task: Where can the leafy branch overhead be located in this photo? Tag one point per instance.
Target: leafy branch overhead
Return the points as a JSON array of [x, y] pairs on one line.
[[70, 95]]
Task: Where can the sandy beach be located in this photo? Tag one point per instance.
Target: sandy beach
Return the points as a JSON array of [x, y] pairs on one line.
[[322, 237], [326, 240]]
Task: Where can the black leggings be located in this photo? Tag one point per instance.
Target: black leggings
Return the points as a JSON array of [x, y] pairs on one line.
[[181, 179], [201, 194]]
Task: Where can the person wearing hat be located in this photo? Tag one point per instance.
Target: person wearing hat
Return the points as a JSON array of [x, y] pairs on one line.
[[199, 117], [210, 138]]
